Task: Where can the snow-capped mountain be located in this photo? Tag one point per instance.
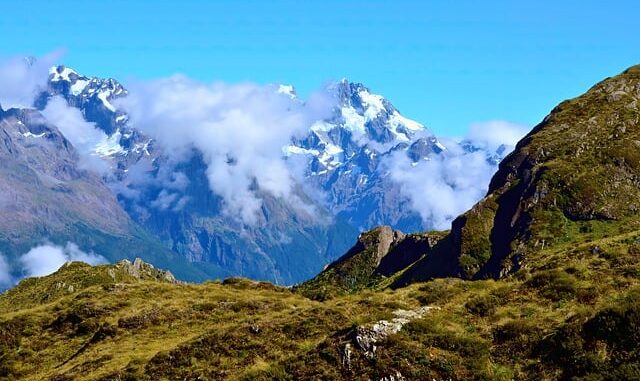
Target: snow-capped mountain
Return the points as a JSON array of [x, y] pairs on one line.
[[346, 154], [173, 200], [46, 197], [348, 181]]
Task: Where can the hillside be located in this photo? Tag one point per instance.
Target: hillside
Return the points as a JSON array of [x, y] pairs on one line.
[[572, 179], [539, 280]]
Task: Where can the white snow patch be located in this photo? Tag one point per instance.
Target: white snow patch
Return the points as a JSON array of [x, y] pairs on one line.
[[288, 90], [63, 75], [322, 126], [295, 150], [79, 86], [32, 135], [109, 146], [333, 149], [373, 102], [411, 125], [142, 147], [353, 121], [103, 97]]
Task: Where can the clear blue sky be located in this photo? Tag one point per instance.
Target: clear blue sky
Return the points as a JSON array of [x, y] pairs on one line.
[[444, 63]]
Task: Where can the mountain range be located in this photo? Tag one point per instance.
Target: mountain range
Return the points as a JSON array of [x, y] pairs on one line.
[[167, 201], [540, 279]]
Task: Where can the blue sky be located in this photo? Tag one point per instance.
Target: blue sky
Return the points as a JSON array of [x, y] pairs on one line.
[[444, 65]]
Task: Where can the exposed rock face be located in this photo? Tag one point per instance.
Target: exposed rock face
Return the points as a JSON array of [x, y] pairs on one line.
[[377, 254], [42, 186], [380, 242]]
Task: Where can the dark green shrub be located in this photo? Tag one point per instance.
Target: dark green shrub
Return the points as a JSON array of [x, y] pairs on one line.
[[482, 305]]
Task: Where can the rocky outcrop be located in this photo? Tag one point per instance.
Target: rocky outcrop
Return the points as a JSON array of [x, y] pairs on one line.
[[144, 271], [377, 254], [367, 337]]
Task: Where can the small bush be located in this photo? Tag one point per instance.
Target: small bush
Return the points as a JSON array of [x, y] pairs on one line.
[[204, 307], [435, 292], [482, 305], [555, 285], [512, 330]]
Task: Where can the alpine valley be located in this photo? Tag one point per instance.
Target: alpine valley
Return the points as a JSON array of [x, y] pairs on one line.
[[538, 280]]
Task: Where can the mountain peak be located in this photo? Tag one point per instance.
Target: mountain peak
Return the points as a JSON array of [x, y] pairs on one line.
[[287, 90], [62, 73]]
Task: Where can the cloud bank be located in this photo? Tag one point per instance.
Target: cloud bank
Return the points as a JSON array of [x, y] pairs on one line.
[[46, 259], [23, 79], [449, 184], [239, 129]]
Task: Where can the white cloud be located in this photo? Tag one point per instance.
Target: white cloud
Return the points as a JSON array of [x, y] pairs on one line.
[[490, 135], [83, 135], [46, 259], [239, 129], [5, 272], [22, 80], [449, 184], [164, 200]]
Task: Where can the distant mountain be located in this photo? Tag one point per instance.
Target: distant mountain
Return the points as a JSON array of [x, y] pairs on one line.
[[348, 182], [572, 180], [286, 247], [346, 153], [46, 196]]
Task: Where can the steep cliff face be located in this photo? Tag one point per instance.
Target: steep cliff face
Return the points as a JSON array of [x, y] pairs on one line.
[[575, 175], [42, 185]]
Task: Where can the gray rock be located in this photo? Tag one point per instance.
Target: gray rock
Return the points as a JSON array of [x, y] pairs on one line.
[[366, 337]]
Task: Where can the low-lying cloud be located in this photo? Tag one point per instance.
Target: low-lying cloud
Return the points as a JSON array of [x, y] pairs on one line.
[[46, 259], [5, 272], [492, 134], [450, 183], [239, 129], [83, 135], [23, 79]]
